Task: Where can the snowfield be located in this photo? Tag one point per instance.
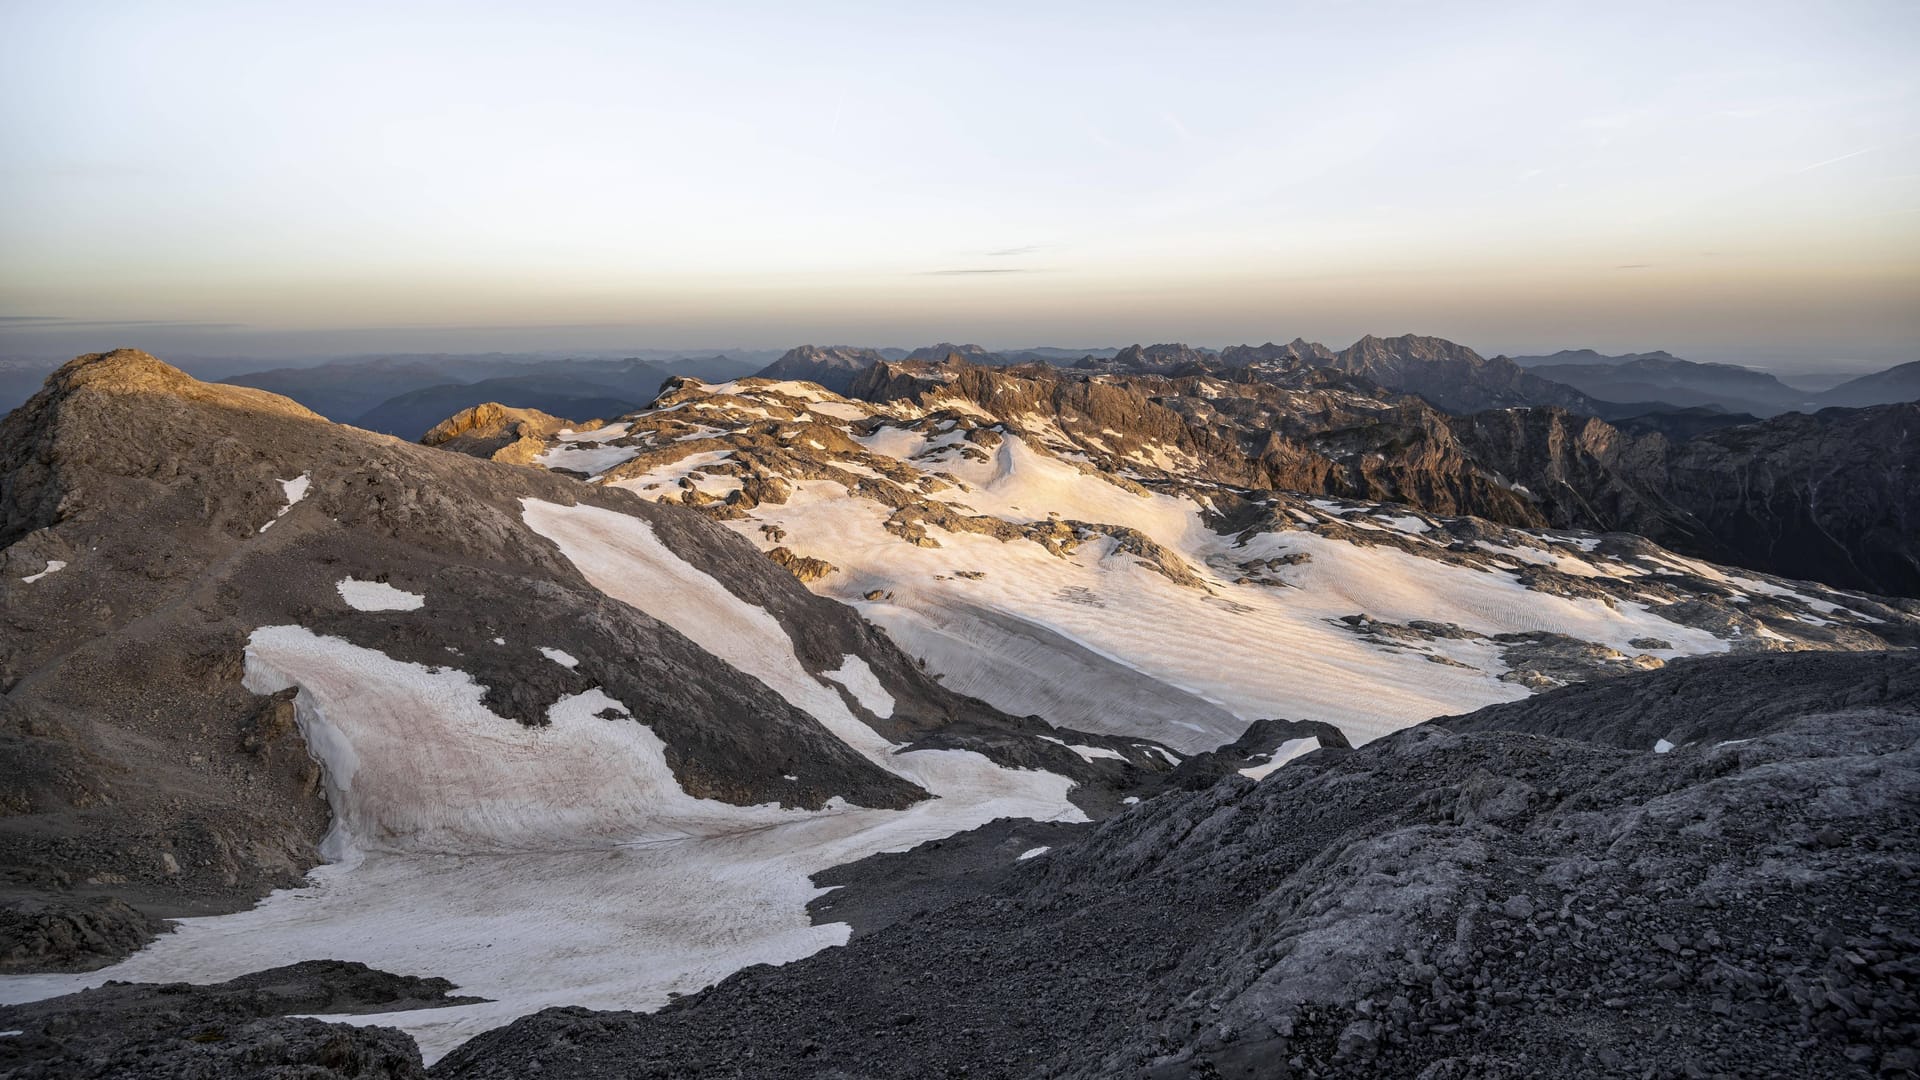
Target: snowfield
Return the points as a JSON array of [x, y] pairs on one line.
[[1035, 632], [541, 866], [1099, 639]]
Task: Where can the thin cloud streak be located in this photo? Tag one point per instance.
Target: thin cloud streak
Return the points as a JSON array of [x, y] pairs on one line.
[[1835, 161]]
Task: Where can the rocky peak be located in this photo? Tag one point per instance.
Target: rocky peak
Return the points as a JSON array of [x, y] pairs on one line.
[[1158, 359], [498, 432], [131, 371], [1371, 349], [1297, 351], [832, 366], [947, 350]]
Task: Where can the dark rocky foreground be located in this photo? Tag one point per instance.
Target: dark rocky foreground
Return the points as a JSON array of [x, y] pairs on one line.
[[1468, 898], [244, 1027], [1437, 904]]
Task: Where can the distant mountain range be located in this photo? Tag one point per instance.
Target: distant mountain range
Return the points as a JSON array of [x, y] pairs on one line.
[[1665, 378], [1900, 383], [1662, 377], [1450, 376], [406, 396], [409, 415]]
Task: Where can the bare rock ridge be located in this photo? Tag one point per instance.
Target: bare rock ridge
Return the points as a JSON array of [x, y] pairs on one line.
[[187, 517]]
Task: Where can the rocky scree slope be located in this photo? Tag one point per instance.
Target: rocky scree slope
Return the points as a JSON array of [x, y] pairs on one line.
[[153, 525], [1443, 902], [243, 1027]]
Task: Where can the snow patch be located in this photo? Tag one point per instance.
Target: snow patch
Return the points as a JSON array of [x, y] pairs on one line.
[[590, 457], [378, 596], [859, 679], [1287, 751], [1033, 853], [295, 490], [1087, 753], [559, 656], [54, 566], [1662, 746]]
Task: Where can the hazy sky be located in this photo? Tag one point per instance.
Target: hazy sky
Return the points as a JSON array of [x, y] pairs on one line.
[[1730, 181]]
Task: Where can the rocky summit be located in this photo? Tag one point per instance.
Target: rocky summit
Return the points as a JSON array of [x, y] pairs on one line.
[[1165, 712]]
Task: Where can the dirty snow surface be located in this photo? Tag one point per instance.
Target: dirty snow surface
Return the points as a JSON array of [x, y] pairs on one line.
[[995, 552], [560, 864]]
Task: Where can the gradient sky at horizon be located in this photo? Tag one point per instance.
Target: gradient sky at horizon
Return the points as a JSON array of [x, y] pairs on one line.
[[1735, 181]]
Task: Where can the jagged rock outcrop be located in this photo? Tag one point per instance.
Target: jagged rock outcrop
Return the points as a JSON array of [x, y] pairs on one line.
[[1829, 496], [498, 433]]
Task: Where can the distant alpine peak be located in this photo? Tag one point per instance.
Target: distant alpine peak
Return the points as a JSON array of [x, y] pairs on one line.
[[832, 366], [946, 349], [1411, 347]]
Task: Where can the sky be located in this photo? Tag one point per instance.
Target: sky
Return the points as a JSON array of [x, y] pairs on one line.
[[1734, 181]]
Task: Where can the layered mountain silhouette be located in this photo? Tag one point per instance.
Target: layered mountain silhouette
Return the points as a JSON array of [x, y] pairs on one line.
[[1663, 378], [392, 394], [1900, 383]]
